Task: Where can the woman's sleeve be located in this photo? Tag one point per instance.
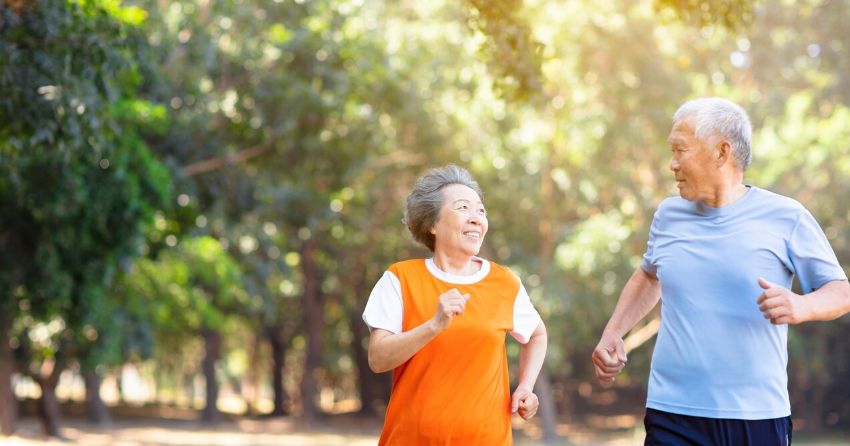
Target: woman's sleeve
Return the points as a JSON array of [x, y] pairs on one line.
[[526, 318], [384, 309]]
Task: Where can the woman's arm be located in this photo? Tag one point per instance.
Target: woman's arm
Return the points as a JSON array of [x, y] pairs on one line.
[[531, 356], [388, 350]]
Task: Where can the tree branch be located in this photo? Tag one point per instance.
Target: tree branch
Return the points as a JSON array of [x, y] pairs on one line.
[[220, 162]]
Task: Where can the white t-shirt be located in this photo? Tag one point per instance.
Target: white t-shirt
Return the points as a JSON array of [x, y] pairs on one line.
[[385, 309]]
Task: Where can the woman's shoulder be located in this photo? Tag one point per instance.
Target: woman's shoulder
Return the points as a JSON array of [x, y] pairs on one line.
[[407, 265], [502, 270]]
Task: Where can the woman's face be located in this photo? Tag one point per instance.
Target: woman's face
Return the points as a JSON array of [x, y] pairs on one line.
[[462, 223]]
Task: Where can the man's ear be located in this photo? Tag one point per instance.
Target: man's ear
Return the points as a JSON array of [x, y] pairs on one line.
[[724, 152]]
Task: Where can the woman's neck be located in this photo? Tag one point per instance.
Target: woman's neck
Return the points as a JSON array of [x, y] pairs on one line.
[[456, 265]]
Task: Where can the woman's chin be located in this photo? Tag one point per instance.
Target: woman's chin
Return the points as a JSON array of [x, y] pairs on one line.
[[474, 250]]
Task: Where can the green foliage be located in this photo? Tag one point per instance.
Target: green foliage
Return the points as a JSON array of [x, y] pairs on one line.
[[77, 181], [732, 14], [314, 118], [193, 286], [510, 47]]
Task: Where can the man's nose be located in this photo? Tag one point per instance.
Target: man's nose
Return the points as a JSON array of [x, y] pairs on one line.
[[674, 165]]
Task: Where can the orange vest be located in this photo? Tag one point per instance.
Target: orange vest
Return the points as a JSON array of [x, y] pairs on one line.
[[455, 390]]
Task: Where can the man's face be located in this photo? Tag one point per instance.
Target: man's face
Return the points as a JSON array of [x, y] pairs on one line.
[[693, 163]]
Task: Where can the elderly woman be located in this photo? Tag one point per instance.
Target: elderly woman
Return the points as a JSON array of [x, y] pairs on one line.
[[440, 325]]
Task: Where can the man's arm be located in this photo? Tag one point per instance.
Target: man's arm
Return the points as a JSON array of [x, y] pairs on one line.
[[782, 306], [640, 295]]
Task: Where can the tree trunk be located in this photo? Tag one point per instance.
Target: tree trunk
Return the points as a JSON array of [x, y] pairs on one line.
[[371, 386], [119, 384], [212, 343], [314, 309], [548, 412], [48, 404], [97, 411], [365, 383], [252, 377], [189, 389], [279, 346], [546, 231], [8, 403]]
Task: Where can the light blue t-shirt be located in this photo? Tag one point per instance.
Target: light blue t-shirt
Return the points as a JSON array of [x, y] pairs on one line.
[[716, 355]]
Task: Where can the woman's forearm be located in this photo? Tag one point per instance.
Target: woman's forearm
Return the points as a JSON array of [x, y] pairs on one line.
[[531, 357], [388, 350]]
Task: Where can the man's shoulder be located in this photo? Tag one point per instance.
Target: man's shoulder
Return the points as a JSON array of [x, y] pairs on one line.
[[673, 203], [775, 201]]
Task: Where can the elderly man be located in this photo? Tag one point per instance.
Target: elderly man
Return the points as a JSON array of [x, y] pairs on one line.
[[721, 257]]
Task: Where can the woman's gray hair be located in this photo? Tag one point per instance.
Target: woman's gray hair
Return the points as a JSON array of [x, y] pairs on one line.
[[718, 116], [426, 200]]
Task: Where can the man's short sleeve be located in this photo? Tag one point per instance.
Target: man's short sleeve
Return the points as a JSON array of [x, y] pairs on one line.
[[814, 260], [648, 264], [526, 318], [385, 309]]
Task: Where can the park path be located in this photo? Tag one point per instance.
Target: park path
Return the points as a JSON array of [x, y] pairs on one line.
[[271, 432], [285, 432]]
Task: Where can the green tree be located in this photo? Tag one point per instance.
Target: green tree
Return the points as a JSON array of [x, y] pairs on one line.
[[192, 290], [75, 190]]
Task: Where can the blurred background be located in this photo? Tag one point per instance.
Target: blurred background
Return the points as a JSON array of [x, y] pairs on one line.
[[196, 197]]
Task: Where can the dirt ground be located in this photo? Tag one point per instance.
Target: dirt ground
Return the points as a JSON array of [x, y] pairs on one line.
[[264, 432], [340, 431]]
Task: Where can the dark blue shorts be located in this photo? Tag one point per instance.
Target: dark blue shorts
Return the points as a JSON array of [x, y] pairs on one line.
[[670, 429]]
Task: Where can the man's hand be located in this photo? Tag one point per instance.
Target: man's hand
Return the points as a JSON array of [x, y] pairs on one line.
[[780, 305], [609, 358], [452, 304], [524, 402]]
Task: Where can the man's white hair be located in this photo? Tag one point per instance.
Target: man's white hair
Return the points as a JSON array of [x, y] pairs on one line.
[[720, 117]]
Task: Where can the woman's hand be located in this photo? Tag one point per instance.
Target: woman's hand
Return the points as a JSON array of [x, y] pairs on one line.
[[452, 304], [524, 402]]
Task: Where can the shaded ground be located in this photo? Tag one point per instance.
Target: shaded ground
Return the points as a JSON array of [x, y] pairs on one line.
[[333, 431], [347, 431]]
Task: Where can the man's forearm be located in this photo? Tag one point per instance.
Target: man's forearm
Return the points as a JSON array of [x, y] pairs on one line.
[[829, 302], [640, 295]]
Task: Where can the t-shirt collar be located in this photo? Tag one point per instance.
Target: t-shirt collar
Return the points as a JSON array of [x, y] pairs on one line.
[[459, 280]]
